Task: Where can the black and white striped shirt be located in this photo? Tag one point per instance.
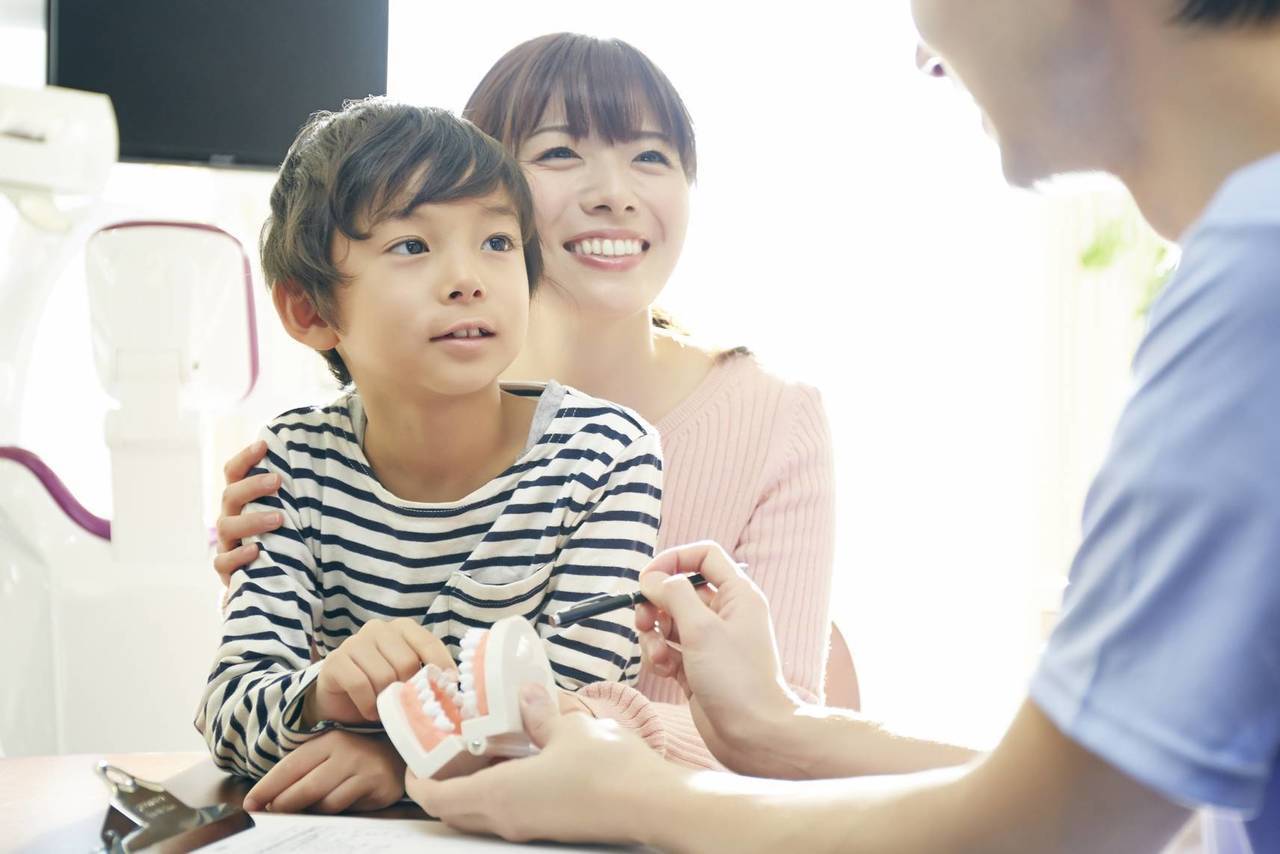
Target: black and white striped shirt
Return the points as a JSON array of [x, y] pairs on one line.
[[575, 516]]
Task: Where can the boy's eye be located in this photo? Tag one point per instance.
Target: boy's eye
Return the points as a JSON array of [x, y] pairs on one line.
[[499, 243], [410, 247], [652, 156], [560, 152]]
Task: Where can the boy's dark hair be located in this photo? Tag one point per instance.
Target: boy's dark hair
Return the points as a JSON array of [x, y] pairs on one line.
[[375, 159], [1229, 12], [603, 84]]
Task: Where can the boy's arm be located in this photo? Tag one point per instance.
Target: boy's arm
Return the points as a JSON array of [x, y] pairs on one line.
[[251, 704], [613, 540]]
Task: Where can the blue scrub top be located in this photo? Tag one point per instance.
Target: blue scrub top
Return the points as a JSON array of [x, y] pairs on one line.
[[1167, 660]]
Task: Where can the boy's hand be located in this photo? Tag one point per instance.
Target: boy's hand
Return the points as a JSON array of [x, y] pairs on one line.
[[331, 773], [379, 654]]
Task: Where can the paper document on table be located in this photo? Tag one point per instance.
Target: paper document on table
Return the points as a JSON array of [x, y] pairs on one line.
[[287, 834]]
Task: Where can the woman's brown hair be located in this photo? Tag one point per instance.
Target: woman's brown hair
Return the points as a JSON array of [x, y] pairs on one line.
[[604, 85]]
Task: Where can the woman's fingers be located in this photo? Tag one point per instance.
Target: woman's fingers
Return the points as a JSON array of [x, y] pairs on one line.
[[238, 466], [233, 529], [238, 494], [227, 563]]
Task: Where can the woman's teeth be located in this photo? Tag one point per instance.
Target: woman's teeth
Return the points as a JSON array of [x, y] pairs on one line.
[[607, 248], [467, 333]]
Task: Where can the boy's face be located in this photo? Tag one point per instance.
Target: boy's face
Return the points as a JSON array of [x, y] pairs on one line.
[[436, 302]]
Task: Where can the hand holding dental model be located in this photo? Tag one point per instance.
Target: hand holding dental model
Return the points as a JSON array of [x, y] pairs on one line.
[[447, 723]]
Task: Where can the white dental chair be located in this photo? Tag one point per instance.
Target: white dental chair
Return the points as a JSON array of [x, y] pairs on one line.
[[107, 629]]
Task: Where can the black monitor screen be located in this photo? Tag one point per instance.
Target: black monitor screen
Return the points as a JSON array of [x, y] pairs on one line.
[[218, 81]]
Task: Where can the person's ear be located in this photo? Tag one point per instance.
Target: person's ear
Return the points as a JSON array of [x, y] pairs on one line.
[[301, 318]]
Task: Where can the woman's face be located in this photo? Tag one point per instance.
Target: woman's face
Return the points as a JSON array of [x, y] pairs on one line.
[[612, 217]]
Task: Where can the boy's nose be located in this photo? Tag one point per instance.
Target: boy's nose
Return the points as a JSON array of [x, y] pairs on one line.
[[466, 292]]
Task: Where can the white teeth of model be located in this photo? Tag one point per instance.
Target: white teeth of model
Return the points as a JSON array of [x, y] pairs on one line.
[[418, 680], [584, 248], [451, 691], [595, 246], [468, 682], [606, 247], [471, 639], [442, 722], [475, 333], [467, 654]]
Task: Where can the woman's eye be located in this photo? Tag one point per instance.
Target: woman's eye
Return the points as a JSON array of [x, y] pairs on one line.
[[560, 152], [499, 243], [652, 156], [409, 247]]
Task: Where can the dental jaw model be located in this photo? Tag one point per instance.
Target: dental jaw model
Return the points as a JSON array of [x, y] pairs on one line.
[[448, 725]]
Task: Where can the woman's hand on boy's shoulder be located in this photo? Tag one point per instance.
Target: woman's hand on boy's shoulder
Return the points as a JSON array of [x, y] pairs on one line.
[[380, 653], [234, 525]]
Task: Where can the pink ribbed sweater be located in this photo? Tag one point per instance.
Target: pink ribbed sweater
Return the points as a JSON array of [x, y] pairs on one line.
[[747, 463]]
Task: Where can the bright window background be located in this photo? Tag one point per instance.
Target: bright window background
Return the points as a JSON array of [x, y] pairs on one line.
[[851, 227]]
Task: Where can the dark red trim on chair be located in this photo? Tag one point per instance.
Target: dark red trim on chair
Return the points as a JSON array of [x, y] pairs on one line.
[[58, 491]]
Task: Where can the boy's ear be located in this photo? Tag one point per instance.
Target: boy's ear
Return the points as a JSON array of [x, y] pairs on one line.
[[300, 317]]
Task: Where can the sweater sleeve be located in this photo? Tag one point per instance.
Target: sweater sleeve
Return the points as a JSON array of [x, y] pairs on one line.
[[789, 543], [668, 728], [788, 546]]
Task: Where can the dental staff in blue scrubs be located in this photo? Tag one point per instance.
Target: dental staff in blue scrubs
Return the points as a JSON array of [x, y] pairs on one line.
[[1159, 692]]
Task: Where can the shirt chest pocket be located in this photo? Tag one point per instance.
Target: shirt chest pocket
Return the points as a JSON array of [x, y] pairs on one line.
[[466, 602]]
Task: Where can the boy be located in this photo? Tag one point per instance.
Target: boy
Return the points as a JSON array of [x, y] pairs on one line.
[[427, 499]]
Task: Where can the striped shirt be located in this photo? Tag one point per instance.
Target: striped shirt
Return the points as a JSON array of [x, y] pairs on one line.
[[575, 516]]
